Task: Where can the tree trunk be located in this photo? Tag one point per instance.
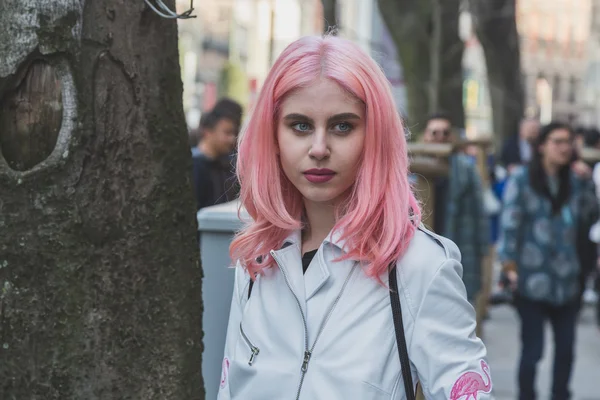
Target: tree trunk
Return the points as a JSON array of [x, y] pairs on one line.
[[451, 48], [329, 14], [496, 28], [430, 50], [100, 292]]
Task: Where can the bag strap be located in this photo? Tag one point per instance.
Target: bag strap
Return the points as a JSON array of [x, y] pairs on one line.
[[400, 338]]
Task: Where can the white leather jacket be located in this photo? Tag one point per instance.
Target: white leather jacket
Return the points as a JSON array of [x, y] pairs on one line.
[[355, 355]]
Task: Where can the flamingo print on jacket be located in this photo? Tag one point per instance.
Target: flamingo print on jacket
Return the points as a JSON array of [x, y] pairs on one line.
[[471, 383]]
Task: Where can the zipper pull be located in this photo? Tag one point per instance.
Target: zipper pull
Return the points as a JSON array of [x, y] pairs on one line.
[[255, 351], [307, 355]]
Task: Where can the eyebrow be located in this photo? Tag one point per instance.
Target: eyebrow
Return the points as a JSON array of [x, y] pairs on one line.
[[337, 117]]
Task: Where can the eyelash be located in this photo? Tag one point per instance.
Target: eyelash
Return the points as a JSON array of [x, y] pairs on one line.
[[294, 126]]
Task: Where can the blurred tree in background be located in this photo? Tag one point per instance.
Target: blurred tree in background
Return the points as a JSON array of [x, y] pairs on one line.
[[430, 50], [496, 28], [330, 8]]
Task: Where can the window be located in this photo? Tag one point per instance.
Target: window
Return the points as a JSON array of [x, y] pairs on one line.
[[556, 87], [572, 90]]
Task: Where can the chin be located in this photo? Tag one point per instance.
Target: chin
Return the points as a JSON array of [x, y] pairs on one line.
[[323, 195], [319, 198]]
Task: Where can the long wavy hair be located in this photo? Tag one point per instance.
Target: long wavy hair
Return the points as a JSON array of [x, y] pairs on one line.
[[537, 174], [380, 215]]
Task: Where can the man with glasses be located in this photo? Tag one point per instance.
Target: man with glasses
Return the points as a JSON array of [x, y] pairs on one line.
[[459, 208]]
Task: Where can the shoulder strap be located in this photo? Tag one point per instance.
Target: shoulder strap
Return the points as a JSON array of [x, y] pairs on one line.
[[250, 288], [400, 338]]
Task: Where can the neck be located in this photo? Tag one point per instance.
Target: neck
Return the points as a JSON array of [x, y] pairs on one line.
[[207, 150], [321, 220], [550, 169]]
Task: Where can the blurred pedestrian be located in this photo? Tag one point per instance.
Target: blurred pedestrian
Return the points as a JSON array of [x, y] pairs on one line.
[[459, 212], [335, 264], [587, 249], [233, 110], [210, 172], [517, 149], [543, 204], [592, 140]]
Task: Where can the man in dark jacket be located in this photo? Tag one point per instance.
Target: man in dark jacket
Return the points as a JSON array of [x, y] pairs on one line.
[[517, 149], [210, 173]]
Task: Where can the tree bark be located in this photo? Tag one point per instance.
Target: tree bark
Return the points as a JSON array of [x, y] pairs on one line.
[[496, 28], [329, 14], [100, 293], [430, 50]]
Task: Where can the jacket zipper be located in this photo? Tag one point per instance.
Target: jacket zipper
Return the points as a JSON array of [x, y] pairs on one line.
[[308, 352], [254, 350]]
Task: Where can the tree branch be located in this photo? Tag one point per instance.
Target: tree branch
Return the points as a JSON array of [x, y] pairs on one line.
[[329, 14]]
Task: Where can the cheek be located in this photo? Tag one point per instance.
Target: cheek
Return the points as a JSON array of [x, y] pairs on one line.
[[353, 153], [287, 157]]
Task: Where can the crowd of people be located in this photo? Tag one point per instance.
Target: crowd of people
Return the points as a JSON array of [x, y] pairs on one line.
[[547, 253], [546, 232]]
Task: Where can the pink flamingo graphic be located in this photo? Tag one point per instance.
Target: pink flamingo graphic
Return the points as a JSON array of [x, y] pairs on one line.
[[224, 372], [471, 383]]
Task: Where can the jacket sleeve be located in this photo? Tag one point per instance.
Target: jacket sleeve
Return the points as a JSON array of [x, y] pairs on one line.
[[448, 356], [510, 220], [235, 317]]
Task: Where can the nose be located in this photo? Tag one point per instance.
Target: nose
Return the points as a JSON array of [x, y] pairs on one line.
[[319, 148]]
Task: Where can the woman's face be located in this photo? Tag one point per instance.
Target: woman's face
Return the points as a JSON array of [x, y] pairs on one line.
[[557, 149], [320, 134]]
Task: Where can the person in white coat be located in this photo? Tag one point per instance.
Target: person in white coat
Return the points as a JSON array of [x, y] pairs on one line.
[[340, 292]]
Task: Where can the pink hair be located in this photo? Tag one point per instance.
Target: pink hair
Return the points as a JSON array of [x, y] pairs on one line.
[[381, 214]]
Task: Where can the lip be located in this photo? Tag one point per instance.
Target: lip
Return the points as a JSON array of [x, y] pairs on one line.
[[319, 175]]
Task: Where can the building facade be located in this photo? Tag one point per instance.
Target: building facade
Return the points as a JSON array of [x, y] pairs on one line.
[[554, 56]]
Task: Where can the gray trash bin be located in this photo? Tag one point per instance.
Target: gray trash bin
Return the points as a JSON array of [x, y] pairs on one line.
[[217, 225]]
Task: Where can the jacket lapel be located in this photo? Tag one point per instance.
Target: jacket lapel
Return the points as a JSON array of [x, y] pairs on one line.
[[316, 275]]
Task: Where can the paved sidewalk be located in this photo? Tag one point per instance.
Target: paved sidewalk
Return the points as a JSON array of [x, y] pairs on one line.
[[501, 335]]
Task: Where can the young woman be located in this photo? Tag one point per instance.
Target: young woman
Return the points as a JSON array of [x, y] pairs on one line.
[[323, 169], [544, 203]]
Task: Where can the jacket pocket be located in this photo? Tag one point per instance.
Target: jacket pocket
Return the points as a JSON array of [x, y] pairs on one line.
[[254, 351]]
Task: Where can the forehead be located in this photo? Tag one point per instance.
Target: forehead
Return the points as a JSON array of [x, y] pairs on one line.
[[530, 124], [321, 98], [438, 123], [559, 134], [225, 123]]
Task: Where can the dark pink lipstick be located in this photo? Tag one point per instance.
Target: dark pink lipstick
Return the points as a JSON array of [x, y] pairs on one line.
[[319, 175]]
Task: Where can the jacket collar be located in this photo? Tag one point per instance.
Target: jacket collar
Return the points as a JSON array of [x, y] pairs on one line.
[[334, 238], [317, 275]]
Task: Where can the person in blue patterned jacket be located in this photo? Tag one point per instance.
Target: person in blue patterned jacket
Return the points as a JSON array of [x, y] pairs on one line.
[[544, 202]]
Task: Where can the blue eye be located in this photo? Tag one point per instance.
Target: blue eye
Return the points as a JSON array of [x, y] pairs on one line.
[[301, 127], [343, 127]]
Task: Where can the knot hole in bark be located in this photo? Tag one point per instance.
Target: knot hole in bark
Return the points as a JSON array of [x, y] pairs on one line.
[[31, 117]]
